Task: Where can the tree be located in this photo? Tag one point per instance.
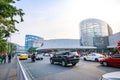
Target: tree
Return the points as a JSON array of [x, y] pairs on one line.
[[7, 21], [3, 47], [7, 17], [32, 50], [3, 44], [11, 47]]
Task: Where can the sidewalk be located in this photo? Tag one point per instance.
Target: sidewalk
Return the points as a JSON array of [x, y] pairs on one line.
[[8, 71]]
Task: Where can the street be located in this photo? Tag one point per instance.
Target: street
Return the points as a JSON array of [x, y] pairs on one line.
[[84, 70]]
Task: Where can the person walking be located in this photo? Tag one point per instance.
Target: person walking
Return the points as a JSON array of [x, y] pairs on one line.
[[4, 58], [9, 58]]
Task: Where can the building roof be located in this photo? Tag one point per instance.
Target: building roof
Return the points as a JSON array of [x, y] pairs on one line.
[[63, 44]]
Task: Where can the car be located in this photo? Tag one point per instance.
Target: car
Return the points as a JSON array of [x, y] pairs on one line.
[[29, 55], [46, 54], [23, 56], [39, 57], [18, 54], [93, 57], [65, 58], [111, 61], [111, 76]]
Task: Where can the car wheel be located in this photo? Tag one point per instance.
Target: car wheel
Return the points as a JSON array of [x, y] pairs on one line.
[[51, 61], [41, 58], [105, 63], [63, 63], [96, 60], [84, 59]]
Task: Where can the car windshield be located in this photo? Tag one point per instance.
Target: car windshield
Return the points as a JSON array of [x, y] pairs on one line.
[[73, 53]]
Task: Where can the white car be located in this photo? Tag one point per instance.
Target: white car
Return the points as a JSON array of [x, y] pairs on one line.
[[39, 57], [111, 76], [93, 57]]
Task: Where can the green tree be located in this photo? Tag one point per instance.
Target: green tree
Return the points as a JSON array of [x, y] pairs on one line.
[[32, 50], [3, 47], [8, 12], [115, 50], [7, 17], [3, 44]]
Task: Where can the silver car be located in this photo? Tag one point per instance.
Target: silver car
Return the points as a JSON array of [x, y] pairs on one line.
[[111, 76]]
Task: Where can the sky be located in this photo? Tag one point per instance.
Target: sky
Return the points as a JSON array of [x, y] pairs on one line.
[[60, 19]]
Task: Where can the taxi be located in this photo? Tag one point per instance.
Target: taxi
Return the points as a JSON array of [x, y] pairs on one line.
[[23, 56]]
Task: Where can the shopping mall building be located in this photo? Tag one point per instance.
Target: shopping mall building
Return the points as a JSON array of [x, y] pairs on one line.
[[95, 35]]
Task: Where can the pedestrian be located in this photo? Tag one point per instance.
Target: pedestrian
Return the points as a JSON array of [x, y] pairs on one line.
[[4, 58], [33, 57], [9, 58]]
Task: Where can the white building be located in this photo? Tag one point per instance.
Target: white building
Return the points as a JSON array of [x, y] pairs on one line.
[[38, 43], [63, 44]]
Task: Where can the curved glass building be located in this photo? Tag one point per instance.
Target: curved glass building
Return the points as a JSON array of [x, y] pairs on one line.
[[29, 39], [94, 32]]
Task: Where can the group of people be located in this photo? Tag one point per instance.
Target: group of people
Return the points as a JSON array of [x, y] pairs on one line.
[[4, 57]]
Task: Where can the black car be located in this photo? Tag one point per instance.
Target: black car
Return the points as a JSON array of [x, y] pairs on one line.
[[65, 58]]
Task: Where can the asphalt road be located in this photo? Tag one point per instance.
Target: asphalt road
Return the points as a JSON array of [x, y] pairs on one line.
[[84, 70]]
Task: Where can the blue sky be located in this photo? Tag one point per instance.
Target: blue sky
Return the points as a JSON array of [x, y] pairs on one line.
[[56, 19]]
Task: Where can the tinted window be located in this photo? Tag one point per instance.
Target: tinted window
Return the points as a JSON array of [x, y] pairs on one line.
[[62, 53], [65, 53], [93, 54], [116, 56]]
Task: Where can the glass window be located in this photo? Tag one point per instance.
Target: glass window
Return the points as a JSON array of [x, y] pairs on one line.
[[116, 56], [73, 53]]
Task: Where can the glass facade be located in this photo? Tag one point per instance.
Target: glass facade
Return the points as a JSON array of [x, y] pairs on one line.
[[93, 32], [29, 39]]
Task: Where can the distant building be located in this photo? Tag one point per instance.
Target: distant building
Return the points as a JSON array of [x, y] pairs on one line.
[[113, 40], [94, 32], [29, 39], [38, 42]]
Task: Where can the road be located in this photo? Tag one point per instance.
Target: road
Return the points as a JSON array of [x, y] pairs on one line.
[[84, 70]]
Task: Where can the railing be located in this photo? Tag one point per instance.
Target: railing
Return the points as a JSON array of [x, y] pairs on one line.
[[21, 73]]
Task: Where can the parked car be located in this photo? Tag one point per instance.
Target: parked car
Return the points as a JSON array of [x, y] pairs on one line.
[[111, 76], [65, 58], [111, 61], [23, 56], [93, 57], [39, 57]]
